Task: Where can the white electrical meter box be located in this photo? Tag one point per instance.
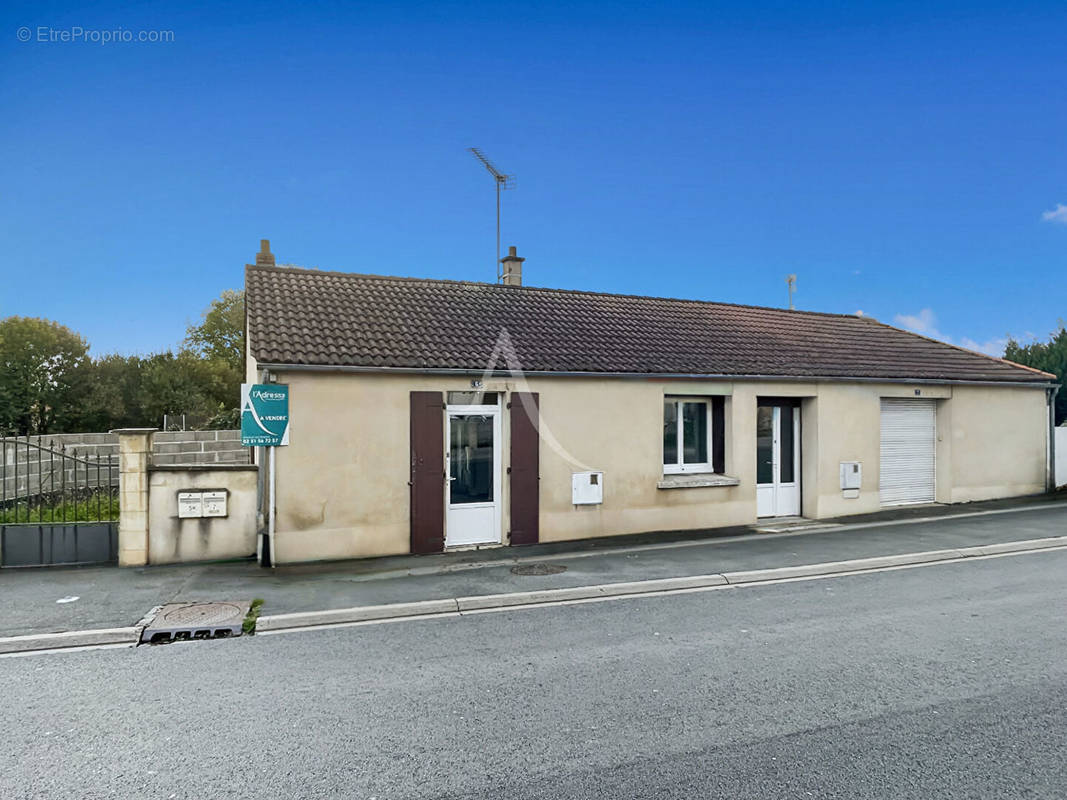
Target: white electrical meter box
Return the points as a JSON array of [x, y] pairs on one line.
[[190, 504], [851, 475], [215, 504], [587, 488]]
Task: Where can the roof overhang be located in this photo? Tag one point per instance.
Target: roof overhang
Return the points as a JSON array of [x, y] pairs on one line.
[[344, 368]]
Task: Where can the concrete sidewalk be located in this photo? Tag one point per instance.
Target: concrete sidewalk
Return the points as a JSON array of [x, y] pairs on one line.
[[40, 601]]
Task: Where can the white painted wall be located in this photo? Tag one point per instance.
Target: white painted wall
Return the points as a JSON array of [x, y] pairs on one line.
[[172, 540]]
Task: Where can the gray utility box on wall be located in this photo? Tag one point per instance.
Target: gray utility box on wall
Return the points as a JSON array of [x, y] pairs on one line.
[[587, 488], [851, 478]]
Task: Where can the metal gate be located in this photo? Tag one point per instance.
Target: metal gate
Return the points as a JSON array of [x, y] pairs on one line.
[[56, 506]]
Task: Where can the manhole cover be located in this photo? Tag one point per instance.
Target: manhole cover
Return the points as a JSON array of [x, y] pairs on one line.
[[200, 614], [181, 621], [538, 569]]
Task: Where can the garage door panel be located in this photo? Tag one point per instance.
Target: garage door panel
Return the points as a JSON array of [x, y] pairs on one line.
[[908, 446]]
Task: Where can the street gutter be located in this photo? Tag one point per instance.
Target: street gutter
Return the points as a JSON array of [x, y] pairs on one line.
[[428, 608], [310, 620], [754, 533]]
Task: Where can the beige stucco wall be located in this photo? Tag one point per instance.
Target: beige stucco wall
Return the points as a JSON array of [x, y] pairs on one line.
[[1060, 468], [172, 540], [343, 481], [995, 438]]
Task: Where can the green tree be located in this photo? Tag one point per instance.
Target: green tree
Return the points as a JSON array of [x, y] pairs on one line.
[[221, 333], [1050, 356], [186, 383], [48, 383], [43, 370], [112, 395]]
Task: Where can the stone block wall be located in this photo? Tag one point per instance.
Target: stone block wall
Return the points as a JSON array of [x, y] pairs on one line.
[[25, 469], [199, 447]]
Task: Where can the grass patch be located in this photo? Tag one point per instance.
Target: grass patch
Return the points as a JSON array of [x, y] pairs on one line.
[[248, 627]]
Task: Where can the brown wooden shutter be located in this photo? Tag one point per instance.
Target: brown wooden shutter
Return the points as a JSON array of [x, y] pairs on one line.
[[427, 473], [718, 434], [525, 467]]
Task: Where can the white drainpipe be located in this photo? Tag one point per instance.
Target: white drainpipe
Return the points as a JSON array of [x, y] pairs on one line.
[[1051, 481]]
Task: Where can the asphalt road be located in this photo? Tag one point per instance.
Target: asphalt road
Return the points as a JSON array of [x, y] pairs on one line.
[[947, 681], [115, 598]]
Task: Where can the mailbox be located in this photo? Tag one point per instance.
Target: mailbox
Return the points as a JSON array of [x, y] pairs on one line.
[[190, 505], [202, 503], [215, 504]]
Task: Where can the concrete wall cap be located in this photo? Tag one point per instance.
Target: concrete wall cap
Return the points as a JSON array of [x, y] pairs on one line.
[[217, 466]]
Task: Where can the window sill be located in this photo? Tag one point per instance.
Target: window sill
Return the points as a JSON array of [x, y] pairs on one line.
[[693, 480]]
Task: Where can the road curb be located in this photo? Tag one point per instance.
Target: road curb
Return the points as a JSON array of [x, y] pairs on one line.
[[835, 567], [304, 619], [1017, 547], [487, 601], [460, 605], [480, 603], [714, 541], [59, 641]]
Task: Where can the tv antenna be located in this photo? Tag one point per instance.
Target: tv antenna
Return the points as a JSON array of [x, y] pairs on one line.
[[791, 280], [502, 182]]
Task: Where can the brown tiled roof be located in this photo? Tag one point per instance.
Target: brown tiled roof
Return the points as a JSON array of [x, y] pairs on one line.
[[311, 317]]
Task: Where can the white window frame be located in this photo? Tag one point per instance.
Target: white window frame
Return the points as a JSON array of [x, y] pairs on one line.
[[679, 466]]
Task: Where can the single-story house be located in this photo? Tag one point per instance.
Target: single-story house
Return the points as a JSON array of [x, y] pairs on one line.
[[433, 414]]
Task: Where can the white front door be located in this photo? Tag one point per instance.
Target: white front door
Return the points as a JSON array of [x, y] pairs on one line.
[[472, 463], [777, 461]]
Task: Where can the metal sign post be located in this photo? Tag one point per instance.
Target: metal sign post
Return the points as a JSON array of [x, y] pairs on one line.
[[265, 423], [273, 505]]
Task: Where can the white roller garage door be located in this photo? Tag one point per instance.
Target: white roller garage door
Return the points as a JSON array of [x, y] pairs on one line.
[[908, 442]]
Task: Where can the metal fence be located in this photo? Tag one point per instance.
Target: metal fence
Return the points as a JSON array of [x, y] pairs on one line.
[[56, 507]]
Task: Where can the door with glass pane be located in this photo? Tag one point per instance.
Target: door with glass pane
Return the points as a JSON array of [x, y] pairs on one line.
[[472, 462], [777, 460]]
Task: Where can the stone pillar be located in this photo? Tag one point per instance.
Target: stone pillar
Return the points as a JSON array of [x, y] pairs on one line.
[[135, 452]]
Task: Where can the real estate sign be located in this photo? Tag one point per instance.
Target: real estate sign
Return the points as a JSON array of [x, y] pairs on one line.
[[264, 414]]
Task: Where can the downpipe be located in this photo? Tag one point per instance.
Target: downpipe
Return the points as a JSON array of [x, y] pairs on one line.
[[1051, 481]]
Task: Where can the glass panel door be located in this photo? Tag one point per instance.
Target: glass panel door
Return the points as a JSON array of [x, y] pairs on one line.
[[786, 446], [473, 513], [765, 444], [777, 460], [471, 465]]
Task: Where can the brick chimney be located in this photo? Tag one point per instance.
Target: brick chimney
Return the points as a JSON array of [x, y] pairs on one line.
[[512, 268], [264, 258]]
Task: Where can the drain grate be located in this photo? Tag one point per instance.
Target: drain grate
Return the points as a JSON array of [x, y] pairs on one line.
[[177, 622], [538, 569]]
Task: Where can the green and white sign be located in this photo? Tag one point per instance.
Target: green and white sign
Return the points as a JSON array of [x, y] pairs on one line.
[[264, 414]]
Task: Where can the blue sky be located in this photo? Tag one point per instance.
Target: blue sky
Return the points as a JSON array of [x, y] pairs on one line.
[[899, 158]]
